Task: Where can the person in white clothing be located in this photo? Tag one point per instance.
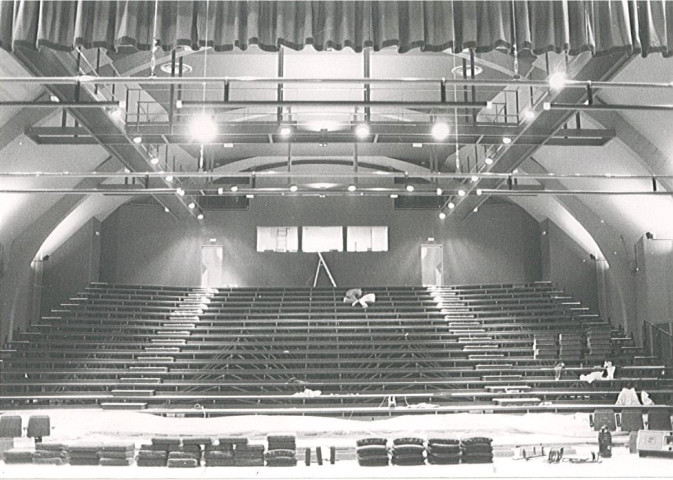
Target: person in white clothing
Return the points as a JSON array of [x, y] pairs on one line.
[[628, 396]]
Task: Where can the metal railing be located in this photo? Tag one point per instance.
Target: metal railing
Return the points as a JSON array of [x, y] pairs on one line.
[[658, 341]]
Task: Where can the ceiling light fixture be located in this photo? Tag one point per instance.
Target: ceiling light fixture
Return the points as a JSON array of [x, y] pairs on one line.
[[203, 128], [474, 178], [200, 216], [451, 205], [529, 114], [220, 191], [285, 131], [249, 195], [167, 210], [506, 140], [410, 188], [169, 178], [154, 160], [192, 205], [352, 188], [362, 130], [479, 192], [546, 106], [488, 161], [417, 145], [439, 191], [440, 131], [137, 139], [180, 192], [442, 215], [557, 81], [461, 193], [394, 195], [293, 188], [234, 188]]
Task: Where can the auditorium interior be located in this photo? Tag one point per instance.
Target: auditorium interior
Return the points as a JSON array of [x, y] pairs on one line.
[[360, 239]]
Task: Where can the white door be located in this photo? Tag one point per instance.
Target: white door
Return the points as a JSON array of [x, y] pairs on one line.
[[432, 264], [212, 266]]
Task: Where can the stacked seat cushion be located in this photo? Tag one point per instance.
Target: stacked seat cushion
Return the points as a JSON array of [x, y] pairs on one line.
[[249, 455], [282, 451], [372, 452], [443, 451], [19, 455], [117, 455], [476, 450], [85, 454], [408, 451], [221, 455], [151, 457], [50, 454]]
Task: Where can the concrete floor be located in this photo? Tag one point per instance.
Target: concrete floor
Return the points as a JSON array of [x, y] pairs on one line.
[[509, 432]]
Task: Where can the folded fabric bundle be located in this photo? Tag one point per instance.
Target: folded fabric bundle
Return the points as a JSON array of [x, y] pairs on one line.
[[84, 461], [234, 441], [408, 441], [151, 462], [371, 451], [153, 454], [118, 447], [50, 460], [166, 440], [50, 454], [476, 459], [476, 440], [116, 462], [115, 454], [219, 462], [371, 441], [183, 455], [408, 460], [50, 446], [248, 462], [411, 449], [444, 449], [373, 462], [182, 463], [281, 462], [281, 442], [196, 441], [18, 455], [443, 441]]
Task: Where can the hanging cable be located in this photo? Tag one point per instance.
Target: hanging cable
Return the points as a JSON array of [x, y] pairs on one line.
[[515, 51]]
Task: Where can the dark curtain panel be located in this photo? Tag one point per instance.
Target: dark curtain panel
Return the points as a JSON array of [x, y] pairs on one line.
[[540, 26]]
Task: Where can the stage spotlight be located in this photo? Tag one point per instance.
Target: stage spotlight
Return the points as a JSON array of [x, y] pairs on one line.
[[461, 193], [169, 178], [234, 188], [293, 188], [506, 140], [451, 205], [285, 131], [440, 131], [352, 188], [410, 188], [557, 81], [362, 130], [439, 191], [488, 161], [203, 128], [442, 215], [200, 216], [137, 139], [154, 160], [192, 205]]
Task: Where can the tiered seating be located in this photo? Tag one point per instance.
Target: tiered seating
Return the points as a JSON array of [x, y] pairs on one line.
[[302, 350]]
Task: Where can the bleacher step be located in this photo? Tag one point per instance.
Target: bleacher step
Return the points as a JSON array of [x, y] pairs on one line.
[[145, 393], [52, 317], [140, 380], [469, 348], [149, 369], [178, 325], [186, 333], [486, 356], [507, 388], [493, 378], [155, 359], [491, 366], [168, 341], [123, 405], [517, 401], [162, 349]]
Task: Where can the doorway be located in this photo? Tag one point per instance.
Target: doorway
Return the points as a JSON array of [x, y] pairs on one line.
[[432, 264], [212, 266]]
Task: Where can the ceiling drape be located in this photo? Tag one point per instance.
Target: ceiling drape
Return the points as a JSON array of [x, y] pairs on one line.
[[574, 26]]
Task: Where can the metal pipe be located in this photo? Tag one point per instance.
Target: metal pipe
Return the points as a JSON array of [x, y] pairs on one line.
[[90, 79], [377, 174], [329, 103], [612, 106], [58, 104]]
